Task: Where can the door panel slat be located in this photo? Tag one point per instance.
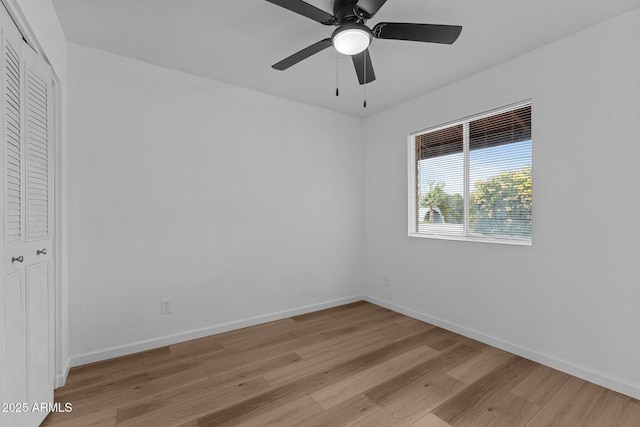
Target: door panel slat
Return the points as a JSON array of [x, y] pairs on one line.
[[12, 145], [37, 136]]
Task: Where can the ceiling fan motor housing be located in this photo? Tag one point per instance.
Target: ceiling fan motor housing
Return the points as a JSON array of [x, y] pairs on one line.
[[347, 11]]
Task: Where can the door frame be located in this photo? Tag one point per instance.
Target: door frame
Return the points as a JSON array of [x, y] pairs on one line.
[[58, 179]]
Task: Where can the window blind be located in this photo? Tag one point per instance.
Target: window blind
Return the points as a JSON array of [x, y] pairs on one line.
[[500, 175], [473, 178]]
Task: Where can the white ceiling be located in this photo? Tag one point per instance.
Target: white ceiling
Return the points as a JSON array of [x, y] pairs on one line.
[[237, 41]]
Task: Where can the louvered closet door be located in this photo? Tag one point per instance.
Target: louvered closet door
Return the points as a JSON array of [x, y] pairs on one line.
[[26, 317], [38, 246], [14, 302]]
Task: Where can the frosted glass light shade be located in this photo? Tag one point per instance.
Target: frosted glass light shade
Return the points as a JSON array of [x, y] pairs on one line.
[[351, 41]]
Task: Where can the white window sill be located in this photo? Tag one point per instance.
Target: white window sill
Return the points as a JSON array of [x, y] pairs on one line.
[[518, 242]]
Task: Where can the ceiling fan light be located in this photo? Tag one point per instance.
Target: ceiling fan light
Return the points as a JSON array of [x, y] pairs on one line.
[[350, 40]]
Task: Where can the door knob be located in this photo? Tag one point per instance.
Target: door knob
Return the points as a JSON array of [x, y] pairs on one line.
[[19, 259], [41, 252]]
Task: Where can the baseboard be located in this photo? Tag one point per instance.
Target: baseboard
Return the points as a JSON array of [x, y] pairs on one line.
[[61, 377], [135, 347], [592, 375]]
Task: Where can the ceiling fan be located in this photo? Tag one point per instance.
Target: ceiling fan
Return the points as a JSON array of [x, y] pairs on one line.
[[352, 37]]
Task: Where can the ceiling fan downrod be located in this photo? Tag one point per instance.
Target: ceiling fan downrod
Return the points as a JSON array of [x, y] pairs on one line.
[[348, 11]]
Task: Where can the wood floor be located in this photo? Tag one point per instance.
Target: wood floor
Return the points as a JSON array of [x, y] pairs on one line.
[[357, 364]]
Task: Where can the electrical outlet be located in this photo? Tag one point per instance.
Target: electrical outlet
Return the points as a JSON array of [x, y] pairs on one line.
[[387, 281], [165, 306]]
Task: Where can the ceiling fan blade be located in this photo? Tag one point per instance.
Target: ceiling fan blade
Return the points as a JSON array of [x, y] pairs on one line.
[[303, 54], [305, 9], [432, 33], [359, 62], [371, 7]]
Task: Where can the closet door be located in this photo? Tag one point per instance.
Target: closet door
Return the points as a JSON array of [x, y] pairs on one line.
[[26, 311], [38, 275], [13, 239]]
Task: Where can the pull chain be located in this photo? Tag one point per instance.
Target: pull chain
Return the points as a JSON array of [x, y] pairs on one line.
[[364, 104], [337, 80]]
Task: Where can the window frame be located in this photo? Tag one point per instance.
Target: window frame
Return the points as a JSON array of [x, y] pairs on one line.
[[413, 180]]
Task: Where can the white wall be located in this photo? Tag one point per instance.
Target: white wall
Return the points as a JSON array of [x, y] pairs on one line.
[[572, 299], [233, 204], [38, 21]]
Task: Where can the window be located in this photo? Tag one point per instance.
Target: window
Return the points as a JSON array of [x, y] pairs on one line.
[[471, 179]]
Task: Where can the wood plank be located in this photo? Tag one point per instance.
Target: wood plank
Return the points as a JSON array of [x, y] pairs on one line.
[[420, 375], [483, 394], [430, 420], [508, 410], [304, 346], [259, 369], [116, 367], [539, 387], [314, 315], [110, 393], [344, 338], [347, 412], [613, 410], [359, 383], [414, 403], [224, 361], [291, 414], [373, 312], [197, 347], [173, 373], [572, 404], [249, 331], [192, 403], [291, 332], [104, 418], [477, 367], [354, 308], [397, 330], [325, 359], [177, 374]]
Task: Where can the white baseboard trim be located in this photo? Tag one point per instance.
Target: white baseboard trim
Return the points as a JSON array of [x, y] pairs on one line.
[[595, 376], [61, 377], [135, 347]]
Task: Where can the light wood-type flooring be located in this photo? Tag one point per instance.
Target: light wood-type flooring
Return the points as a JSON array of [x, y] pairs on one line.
[[357, 364]]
